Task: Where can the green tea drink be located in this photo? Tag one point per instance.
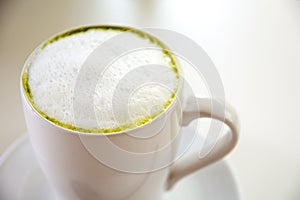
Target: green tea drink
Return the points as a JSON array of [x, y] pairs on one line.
[[51, 78]]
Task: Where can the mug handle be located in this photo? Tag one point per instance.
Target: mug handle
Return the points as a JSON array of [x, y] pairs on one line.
[[205, 108]]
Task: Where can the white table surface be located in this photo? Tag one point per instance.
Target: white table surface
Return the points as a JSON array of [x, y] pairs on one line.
[[255, 45]]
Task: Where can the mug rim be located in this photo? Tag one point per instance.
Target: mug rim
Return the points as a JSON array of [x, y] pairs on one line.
[[81, 29]]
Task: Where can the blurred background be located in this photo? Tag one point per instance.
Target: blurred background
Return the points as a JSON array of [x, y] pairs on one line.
[[255, 45]]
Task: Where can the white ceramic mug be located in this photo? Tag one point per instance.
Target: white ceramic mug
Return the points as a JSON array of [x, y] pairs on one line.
[[82, 166]]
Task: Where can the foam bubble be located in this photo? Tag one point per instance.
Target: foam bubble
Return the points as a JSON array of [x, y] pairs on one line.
[[135, 86]]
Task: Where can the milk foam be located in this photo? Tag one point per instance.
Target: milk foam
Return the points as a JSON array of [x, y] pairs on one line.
[[131, 90]]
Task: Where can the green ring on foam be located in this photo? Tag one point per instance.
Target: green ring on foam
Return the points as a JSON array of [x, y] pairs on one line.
[[166, 51]]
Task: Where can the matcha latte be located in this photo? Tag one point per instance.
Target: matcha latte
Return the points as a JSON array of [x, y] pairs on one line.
[[131, 90]]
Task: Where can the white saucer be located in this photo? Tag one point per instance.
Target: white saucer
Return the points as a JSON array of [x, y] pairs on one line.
[[22, 179]]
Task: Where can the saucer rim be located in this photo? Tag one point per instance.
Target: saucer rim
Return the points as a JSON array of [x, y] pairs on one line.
[[12, 148]]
